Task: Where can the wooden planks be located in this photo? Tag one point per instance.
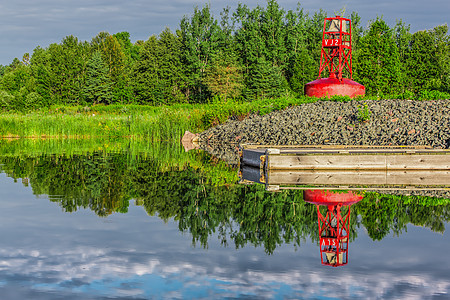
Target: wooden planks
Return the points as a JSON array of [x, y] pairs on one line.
[[359, 162], [362, 177], [405, 166]]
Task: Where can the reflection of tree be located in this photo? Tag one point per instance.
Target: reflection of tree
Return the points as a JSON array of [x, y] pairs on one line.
[[381, 214], [271, 219], [197, 199], [93, 181], [243, 214]]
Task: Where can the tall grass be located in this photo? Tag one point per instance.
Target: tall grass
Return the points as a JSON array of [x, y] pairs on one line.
[[154, 123], [167, 156], [163, 125]]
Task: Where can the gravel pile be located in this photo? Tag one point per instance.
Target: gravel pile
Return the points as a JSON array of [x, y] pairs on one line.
[[371, 122]]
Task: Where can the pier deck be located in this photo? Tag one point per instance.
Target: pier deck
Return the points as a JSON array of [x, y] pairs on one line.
[[337, 166]]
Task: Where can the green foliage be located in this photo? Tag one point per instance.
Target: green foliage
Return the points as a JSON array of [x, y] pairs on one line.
[[252, 54], [378, 64], [200, 40], [97, 88], [157, 77], [6, 99], [224, 79], [427, 66], [363, 112], [432, 95]]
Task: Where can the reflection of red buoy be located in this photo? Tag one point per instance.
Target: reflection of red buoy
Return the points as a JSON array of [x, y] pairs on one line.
[[324, 197], [333, 225], [335, 59]]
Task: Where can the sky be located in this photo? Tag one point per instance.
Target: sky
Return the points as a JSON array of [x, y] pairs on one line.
[[26, 24]]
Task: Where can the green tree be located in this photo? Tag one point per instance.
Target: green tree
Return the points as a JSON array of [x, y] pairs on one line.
[[403, 40], [60, 70], [98, 87], [158, 76], [266, 80], [18, 87], [2, 70], [130, 50], [261, 46], [224, 78], [200, 40], [357, 32], [427, 61], [115, 59], [302, 68], [378, 64]]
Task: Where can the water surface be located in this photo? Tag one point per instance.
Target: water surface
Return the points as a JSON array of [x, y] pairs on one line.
[[142, 224]]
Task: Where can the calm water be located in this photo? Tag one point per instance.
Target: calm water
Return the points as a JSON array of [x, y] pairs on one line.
[[135, 226]]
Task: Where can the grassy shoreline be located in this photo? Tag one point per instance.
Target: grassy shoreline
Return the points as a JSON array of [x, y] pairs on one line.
[[153, 123], [161, 123]]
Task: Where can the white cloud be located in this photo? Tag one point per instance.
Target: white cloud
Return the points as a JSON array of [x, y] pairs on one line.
[[60, 270]]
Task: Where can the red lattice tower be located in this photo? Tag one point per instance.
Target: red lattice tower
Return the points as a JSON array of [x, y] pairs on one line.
[[336, 60]]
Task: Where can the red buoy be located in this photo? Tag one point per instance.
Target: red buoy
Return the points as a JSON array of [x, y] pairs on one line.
[[324, 197], [334, 225], [336, 60]]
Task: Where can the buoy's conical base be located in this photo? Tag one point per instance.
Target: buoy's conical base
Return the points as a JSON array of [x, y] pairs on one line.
[[327, 87]]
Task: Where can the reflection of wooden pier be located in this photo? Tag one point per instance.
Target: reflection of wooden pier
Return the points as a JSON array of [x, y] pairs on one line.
[[368, 167]]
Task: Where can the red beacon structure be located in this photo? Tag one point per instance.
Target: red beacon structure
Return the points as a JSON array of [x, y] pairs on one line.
[[334, 225], [336, 61]]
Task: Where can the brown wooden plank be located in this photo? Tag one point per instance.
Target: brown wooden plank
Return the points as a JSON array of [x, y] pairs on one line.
[[286, 162], [254, 146], [331, 147], [423, 162], [357, 162], [361, 177]]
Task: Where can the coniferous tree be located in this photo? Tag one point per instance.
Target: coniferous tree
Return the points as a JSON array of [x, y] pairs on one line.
[[98, 87], [427, 61], [301, 68], [114, 57], [403, 42], [224, 78], [357, 32], [379, 68]]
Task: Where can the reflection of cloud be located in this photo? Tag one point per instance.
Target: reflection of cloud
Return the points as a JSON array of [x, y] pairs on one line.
[[97, 272]]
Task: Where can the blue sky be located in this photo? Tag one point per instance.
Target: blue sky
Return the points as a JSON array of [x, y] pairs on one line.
[[26, 24]]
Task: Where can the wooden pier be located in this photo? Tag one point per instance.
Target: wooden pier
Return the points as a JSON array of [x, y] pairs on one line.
[[329, 166]]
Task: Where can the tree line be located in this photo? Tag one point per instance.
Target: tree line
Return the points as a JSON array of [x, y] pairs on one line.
[[248, 54], [239, 215]]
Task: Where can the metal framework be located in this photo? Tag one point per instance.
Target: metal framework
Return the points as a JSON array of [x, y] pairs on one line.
[[336, 53], [334, 234]]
